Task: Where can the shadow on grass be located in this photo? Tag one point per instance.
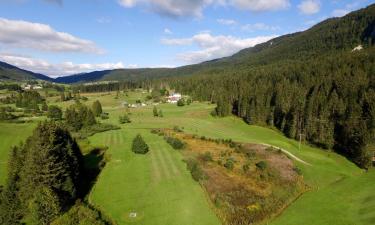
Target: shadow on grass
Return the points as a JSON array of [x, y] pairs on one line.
[[94, 162]]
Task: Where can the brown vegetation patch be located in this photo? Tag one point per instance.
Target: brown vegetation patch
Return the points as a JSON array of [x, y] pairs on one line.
[[247, 183]]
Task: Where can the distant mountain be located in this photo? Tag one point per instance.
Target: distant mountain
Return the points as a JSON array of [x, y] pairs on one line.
[[118, 75], [13, 73], [330, 36]]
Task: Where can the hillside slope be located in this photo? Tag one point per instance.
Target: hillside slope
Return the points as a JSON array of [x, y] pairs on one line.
[[12, 73]]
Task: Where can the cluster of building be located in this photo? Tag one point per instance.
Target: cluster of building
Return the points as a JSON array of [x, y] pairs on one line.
[[31, 87], [174, 98]]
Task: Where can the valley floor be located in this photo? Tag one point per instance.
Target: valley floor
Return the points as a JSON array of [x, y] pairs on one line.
[[160, 190]]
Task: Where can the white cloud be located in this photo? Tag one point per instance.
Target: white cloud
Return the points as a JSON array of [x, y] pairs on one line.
[[23, 34], [54, 70], [260, 5], [103, 20], [259, 26], [59, 2], [211, 47], [180, 8], [309, 7], [171, 8], [128, 3], [227, 22], [167, 31], [132, 66], [340, 12]]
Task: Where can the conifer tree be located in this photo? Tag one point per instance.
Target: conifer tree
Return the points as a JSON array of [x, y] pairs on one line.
[[54, 112], [155, 112], [139, 146], [97, 108], [44, 176]]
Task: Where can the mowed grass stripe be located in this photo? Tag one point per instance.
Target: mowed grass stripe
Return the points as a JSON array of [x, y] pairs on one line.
[[167, 151], [160, 159], [155, 173]]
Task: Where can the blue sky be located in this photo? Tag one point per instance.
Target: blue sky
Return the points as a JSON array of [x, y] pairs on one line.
[[61, 37]]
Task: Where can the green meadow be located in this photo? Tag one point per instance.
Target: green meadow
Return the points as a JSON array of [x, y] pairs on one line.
[[11, 134], [160, 190]]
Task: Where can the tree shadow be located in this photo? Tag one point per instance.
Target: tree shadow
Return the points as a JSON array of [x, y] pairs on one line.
[[94, 162]]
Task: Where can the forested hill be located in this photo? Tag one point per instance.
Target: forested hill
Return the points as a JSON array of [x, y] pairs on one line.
[[312, 85], [13, 73], [330, 36]]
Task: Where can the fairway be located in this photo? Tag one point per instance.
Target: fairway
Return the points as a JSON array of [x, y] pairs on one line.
[[125, 183], [157, 186]]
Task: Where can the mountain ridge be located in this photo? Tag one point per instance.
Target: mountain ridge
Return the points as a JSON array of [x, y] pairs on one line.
[[331, 35]]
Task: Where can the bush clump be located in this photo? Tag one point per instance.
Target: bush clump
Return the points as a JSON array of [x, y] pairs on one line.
[[229, 164], [195, 170], [262, 165], [139, 145], [207, 157], [124, 119], [175, 142]]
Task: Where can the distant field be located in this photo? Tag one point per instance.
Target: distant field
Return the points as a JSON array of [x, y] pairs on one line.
[[159, 188], [10, 135]]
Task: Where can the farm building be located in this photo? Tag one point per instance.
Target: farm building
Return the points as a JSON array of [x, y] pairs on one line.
[[174, 98]]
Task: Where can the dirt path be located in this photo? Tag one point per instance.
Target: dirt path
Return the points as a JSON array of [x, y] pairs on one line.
[[288, 153]]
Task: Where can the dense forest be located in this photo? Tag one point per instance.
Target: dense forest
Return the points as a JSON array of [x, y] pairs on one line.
[[329, 101]]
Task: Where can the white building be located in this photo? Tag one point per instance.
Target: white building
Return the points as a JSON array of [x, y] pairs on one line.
[[174, 98]]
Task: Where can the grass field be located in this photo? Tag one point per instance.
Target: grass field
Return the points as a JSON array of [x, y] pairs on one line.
[[11, 134], [159, 188], [156, 186], [338, 186]]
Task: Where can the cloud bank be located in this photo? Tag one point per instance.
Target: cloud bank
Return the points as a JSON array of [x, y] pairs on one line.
[[212, 47], [24, 34], [54, 70], [181, 8]]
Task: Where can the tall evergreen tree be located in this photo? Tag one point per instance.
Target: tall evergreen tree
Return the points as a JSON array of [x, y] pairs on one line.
[[97, 108], [44, 176]]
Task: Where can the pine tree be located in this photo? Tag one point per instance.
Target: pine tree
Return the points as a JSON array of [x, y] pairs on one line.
[[44, 176], [155, 112], [139, 146], [45, 206], [44, 106], [97, 108], [160, 113], [62, 96], [54, 112]]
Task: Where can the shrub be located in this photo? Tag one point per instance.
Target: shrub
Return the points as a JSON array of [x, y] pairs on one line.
[[229, 164], [124, 119], [139, 145], [262, 165], [195, 170], [297, 170], [54, 112], [160, 113], [207, 157], [246, 167], [104, 116], [251, 155], [174, 142], [97, 108], [155, 112], [177, 129], [181, 102]]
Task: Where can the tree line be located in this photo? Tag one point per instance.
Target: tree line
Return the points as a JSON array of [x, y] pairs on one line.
[[329, 100]]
